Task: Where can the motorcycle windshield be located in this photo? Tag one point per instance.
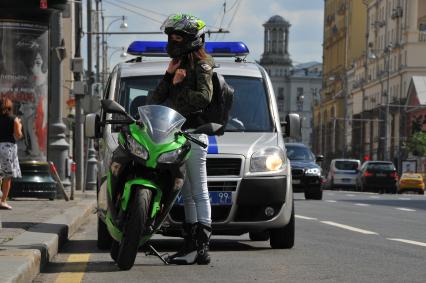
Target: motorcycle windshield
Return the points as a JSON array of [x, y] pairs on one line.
[[161, 122]]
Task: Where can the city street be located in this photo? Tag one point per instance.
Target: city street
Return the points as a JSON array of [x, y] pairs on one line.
[[347, 237]]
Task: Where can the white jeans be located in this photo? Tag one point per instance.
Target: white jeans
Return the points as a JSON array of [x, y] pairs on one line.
[[195, 192]]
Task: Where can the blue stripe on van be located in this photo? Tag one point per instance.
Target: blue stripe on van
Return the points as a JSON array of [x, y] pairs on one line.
[[212, 149]]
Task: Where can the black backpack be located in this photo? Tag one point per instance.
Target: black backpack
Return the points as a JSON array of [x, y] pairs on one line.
[[218, 109]]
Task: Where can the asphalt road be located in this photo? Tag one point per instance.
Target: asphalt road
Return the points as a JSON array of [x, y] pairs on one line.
[[347, 237]]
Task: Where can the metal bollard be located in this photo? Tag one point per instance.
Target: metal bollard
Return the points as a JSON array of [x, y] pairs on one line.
[[58, 180], [72, 177]]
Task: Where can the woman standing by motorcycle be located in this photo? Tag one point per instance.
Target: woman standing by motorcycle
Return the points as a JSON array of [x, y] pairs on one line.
[[187, 88]]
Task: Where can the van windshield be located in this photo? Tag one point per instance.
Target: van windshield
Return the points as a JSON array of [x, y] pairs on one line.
[[346, 165], [250, 109]]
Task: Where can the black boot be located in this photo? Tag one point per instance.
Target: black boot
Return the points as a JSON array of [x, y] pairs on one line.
[[202, 241], [187, 254]]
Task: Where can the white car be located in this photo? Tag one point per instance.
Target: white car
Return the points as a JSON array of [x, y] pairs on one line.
[[343, 173], [246, 194]]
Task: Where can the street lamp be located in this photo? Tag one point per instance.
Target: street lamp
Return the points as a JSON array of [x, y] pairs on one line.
[[341, 77], [316, 94], [116, 49], [387, 51], [123, 26]]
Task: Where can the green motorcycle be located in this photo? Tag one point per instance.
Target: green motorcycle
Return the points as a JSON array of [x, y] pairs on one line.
[[145, 175]]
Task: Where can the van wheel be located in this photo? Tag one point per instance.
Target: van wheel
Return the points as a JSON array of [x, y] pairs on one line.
[[104, 238], [259, 236], [283, 238]]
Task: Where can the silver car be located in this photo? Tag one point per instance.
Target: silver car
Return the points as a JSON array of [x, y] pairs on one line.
[[248, 192]]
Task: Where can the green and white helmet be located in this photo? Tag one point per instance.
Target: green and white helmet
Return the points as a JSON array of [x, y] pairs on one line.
[[184, 24]]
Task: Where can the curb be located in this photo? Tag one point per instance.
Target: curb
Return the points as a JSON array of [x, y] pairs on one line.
[[22, 258]]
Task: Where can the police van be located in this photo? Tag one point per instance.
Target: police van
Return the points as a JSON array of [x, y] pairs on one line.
[[249, 175]]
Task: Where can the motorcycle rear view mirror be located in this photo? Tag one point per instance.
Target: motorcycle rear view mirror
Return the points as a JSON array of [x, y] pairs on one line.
[[209, 129], [110, 106]]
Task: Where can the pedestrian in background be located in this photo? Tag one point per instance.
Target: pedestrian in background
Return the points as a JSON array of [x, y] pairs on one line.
[[187, 88], [10, 131]]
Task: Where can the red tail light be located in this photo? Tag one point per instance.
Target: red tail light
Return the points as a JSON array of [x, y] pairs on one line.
[[394, 175], [368, 174]]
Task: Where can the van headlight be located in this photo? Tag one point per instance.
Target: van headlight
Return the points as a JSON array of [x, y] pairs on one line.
[[313, 171], [267, 159], [136, 148]]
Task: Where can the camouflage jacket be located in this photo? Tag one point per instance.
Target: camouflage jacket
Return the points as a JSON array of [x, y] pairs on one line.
[[190, 96]]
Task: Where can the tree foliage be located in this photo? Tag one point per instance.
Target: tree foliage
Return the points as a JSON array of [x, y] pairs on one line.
[[417, 143]]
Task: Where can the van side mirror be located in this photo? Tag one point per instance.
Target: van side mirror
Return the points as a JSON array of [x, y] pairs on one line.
[[292, 126], [319, 158], [92, 126]]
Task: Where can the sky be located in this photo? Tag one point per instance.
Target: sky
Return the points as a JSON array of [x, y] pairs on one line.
[[243, 18]]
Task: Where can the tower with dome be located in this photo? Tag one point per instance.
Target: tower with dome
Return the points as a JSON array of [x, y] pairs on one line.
[[297, 86]]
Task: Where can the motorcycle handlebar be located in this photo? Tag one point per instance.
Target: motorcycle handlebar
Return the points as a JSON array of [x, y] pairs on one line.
[[194, 140]]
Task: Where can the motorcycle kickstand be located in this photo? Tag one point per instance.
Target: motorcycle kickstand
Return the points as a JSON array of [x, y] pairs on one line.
[[153, 251]]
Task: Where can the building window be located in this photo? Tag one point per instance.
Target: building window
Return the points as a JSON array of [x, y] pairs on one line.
[[280, 99], [300, 99], [281, 94]]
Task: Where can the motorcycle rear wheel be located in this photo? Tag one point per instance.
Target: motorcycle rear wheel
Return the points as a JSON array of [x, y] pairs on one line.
[[138, 216]]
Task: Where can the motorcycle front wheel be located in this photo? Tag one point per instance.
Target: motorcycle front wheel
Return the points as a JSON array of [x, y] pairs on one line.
[[136, 222]]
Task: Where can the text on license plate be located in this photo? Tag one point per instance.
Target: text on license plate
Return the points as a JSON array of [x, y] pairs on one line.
[[216, 198]]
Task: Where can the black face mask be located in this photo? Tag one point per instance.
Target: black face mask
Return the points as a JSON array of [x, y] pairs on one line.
[[176, 49]]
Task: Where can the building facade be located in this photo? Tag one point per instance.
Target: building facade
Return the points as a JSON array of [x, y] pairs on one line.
[[394, 54], [344, 41], [303, 83], [296, 87]]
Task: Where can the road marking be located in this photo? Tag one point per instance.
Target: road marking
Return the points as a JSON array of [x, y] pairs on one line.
[[362, 204], [408, 242], [405, 209], [305, 217], [404, 198], [350, 195], [376, 197], [349, 228], [330, 200], [78, 268]]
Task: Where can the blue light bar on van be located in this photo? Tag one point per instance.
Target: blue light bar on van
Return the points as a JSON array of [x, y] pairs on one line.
[[216, 49]]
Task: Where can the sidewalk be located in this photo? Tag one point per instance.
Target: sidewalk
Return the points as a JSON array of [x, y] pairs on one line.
[[34, 230]]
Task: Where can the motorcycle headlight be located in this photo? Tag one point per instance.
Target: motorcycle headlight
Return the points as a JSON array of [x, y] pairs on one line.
[[267, 159], [136, 148], [171, 157], [313, 171]]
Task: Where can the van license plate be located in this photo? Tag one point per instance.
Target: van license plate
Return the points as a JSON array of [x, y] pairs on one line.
[[216, 198]]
